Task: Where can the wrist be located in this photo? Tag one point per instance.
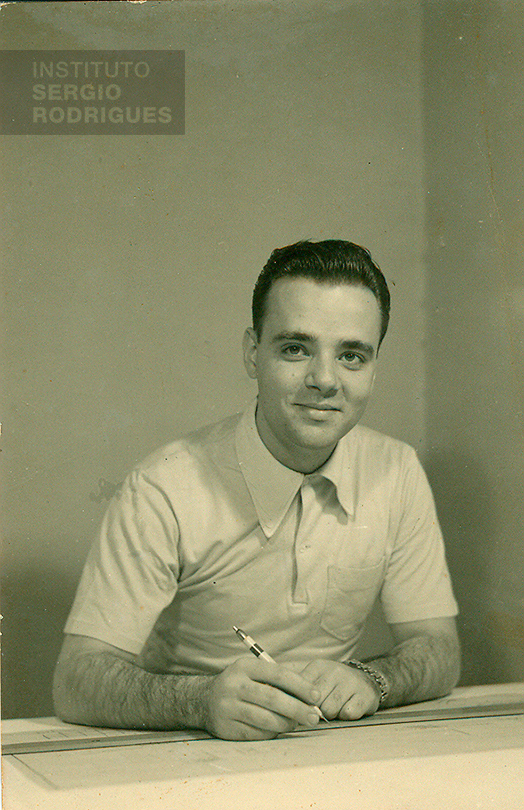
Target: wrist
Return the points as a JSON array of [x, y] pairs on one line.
[[188, 700], [198, 700], [375, 677]]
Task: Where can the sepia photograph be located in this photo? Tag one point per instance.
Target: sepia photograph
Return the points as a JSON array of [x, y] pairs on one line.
[[262, 404]]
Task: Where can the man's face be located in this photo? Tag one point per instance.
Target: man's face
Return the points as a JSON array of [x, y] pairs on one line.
[[315, 366]]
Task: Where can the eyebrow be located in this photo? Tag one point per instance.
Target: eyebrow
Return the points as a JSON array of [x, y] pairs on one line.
[[304, 337]]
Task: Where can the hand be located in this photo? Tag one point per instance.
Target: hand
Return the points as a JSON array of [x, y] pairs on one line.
[[345, 692], [256, 700]]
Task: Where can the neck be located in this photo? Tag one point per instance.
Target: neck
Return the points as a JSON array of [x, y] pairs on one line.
[[296, 458]]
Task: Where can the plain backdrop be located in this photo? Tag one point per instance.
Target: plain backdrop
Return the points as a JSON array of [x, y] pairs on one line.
[[129, 263]]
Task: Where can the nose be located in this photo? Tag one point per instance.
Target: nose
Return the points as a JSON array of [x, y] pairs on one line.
[[322, 376]]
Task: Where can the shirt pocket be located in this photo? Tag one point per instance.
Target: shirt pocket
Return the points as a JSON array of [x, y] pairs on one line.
[[350, 595]]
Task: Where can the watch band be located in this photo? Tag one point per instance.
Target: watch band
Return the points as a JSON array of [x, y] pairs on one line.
[[377, 678]]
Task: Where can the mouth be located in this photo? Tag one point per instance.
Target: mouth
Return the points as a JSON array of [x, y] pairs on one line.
[[316, 407]]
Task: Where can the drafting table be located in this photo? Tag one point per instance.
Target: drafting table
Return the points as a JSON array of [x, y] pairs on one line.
[[463, 752]]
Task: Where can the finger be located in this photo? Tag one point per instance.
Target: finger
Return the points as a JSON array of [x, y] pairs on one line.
[[333, 701], [312, 672], [332, 696], [296, 666], [279, 705], [355, 708], [292, 683], [236, 730], [265, 720]]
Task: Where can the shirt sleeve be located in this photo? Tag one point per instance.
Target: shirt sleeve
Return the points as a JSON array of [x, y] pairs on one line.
[[417, 584], [131, 572]]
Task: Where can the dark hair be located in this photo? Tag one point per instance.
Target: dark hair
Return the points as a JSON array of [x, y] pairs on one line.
[[333, 261]]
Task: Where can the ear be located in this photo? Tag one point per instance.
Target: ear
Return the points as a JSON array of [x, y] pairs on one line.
[[250, 346]]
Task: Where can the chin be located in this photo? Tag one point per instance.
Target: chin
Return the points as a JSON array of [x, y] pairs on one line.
[[318, 441]]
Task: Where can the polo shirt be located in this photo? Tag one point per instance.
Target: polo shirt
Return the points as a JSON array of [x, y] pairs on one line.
[[212, 531]]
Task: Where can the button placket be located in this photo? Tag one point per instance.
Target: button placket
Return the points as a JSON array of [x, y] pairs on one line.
[[304, 561]]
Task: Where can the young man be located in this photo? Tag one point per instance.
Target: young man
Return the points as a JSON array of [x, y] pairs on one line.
[[288, 520]]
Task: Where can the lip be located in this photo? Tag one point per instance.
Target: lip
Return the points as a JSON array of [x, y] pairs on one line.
[[316, 407]]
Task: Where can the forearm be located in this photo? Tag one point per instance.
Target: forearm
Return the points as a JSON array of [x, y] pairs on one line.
[[250, 699], [102, 689], [419, 668]]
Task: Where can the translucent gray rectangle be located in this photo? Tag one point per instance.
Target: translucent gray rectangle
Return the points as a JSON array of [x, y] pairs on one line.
[[92, 92]]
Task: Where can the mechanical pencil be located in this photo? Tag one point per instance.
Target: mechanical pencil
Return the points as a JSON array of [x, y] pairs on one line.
[[257, 650]]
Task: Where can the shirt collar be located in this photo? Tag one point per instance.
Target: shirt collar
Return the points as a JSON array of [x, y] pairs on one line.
[[340, 469], [273, 486]]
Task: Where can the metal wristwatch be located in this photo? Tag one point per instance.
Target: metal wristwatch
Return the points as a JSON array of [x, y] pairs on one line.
[[377, 678]]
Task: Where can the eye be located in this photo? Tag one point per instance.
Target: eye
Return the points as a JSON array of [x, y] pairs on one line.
[[294, 350], [352, 360]]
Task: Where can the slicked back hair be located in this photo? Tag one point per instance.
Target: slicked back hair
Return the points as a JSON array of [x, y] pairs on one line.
[[332, 261]]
